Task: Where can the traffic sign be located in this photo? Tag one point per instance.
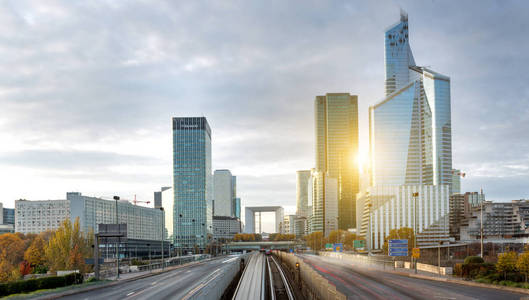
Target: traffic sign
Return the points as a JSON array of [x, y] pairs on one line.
[[359, 244], [338, 247], [416, 252], [398, 248]]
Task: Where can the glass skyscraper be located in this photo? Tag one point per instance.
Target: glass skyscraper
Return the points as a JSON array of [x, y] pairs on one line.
[[336, 118], [410, 130], [192, 182], [410, 142]]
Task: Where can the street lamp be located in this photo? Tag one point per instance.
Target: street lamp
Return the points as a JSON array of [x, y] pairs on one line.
[[117, 238], [162, 239], [415, 195]]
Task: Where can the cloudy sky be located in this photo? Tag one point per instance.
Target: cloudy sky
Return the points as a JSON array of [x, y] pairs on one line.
[[88, 88]]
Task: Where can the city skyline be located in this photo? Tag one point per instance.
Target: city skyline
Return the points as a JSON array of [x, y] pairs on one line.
[[70, 129]]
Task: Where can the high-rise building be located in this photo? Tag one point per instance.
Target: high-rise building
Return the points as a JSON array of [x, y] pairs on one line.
[[238, 208], [336, 130], [410, 130], [158, 196], [456, 181], [192, 182], [410, 143], [302, 200], [224, 184], [289, 224]]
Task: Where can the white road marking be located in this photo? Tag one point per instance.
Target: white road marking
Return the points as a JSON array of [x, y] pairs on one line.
[[130, 294]]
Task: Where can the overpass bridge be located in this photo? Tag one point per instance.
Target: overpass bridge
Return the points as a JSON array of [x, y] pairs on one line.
[[257, 245]]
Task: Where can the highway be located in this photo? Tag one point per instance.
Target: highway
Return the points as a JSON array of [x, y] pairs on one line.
[[181, 283], [359, 282]]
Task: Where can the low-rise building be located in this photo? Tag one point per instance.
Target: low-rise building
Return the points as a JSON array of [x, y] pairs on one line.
[[38, 216], [502, 221], [225, 227]]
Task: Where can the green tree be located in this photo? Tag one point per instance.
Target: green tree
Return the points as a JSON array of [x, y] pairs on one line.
[[506, 262], [315, 240], [403, 233], [522, 264]]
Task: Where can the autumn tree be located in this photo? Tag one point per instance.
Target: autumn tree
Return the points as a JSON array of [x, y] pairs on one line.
[[522, 264], [68, 247], [11, 254], [403, 233], [25, 268], [506, 262], [315, 240], [35, 254]]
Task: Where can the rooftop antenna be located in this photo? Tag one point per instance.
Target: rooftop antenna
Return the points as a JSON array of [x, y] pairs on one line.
[[403, 15]]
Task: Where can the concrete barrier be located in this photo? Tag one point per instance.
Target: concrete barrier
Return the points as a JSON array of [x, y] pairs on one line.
[[313, 284]]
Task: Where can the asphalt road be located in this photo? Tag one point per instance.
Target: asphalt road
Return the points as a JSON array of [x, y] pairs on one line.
[[181, 283], [358, 282]]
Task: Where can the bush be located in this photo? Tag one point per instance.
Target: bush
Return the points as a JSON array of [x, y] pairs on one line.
[[458, 269], [26, 286], [515, 276], [473, 260]]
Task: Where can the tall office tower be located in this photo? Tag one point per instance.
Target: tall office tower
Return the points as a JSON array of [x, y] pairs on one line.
[[302, 200], [410, 138], [456, 181], [192, 182], [158, 196], [237, 208], [336, 130], [234, 196], [410, 130], [223, 193]]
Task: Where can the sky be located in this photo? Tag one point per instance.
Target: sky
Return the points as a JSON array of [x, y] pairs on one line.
[[88, 89]]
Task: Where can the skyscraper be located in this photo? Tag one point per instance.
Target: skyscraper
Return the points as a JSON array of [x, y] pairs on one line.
[[336, 118], [302, 200], [224, 193], [410, 143], [192, 182], [410, 130]]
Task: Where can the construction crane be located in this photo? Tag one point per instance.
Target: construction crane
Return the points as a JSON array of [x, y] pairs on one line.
[[139, 201]]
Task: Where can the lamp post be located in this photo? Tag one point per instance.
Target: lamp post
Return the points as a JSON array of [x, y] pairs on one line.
[[180, 241], [117, 238], [163, 227], [482, 228], [150, 266], [369, 244]]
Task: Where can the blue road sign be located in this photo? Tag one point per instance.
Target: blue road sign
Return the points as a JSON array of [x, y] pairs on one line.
[[398, 248], [338, 247]]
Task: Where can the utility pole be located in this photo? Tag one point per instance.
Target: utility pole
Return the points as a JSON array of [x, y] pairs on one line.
[[117, 241]]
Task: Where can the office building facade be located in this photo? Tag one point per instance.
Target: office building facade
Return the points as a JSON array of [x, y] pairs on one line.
[[158, 196], [456, 181], [502, 222], [336, 132], [192, 182], [225, 227], [224, 189], [302, 194], [38, 216]]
